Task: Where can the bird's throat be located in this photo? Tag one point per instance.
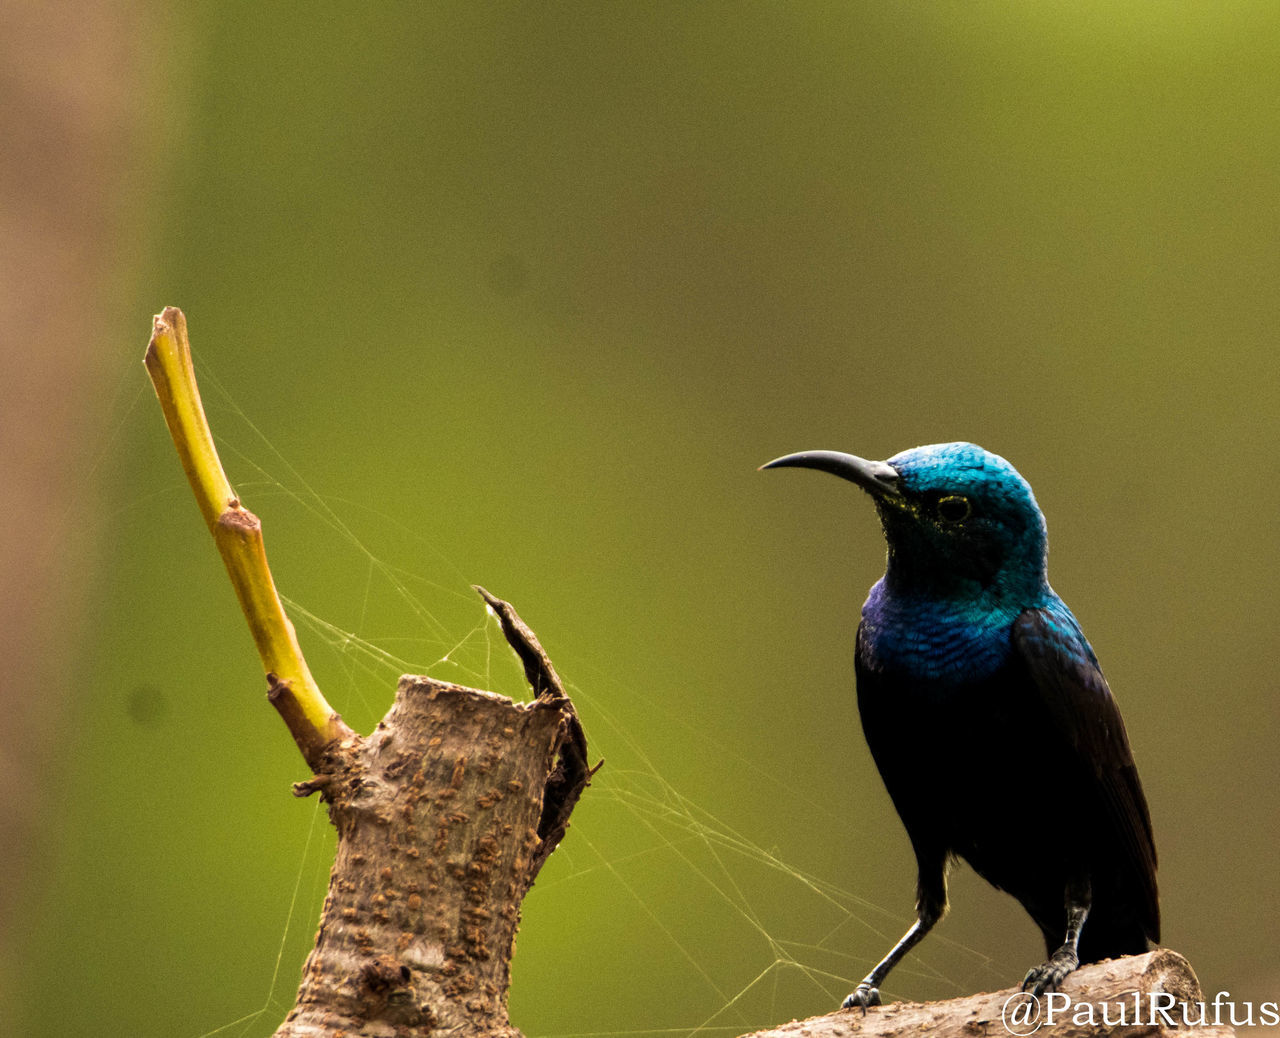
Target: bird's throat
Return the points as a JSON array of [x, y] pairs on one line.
[[942, 640]]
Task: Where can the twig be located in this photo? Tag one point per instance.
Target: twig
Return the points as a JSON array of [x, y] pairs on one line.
[[237, 532]]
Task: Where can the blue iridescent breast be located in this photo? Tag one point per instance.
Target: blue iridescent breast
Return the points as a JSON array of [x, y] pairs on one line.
[[937, 643]]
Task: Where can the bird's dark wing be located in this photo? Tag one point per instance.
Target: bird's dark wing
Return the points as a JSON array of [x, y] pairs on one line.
[[1065, 674]]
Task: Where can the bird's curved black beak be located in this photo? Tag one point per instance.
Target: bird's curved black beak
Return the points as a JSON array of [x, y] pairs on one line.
[[877, 478]]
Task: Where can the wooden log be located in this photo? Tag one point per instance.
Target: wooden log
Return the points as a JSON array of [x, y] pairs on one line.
[[1141, 995]]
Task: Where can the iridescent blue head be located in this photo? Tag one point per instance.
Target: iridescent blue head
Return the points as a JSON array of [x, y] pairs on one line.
[[959, 520]]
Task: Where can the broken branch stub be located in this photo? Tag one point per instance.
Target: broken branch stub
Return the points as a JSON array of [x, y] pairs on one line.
[[445, 814], [442, 819], [571, 773]]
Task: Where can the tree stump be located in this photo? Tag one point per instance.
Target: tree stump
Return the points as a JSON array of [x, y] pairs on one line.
[[445, 814]]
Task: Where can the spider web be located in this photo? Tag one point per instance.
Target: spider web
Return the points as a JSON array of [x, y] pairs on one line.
[[655, 902]]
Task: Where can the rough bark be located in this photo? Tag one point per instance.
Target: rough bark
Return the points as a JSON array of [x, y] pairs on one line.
[[1110, 988], [445, 814]]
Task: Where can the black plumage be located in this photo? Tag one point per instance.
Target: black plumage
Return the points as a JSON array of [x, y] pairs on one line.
[[988, 716]]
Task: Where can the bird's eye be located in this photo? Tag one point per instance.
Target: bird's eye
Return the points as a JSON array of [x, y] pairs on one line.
[[954, 508]]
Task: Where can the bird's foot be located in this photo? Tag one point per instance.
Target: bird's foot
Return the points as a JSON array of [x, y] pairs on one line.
[[866, 994], [1048, 975]]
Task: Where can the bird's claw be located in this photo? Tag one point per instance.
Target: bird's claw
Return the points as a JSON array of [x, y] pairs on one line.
[[865, 995], [1048, 975]]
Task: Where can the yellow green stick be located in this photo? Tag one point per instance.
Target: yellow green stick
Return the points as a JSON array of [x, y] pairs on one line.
[[237, 533]]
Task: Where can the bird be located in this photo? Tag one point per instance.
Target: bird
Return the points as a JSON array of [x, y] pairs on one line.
[[988, 717]]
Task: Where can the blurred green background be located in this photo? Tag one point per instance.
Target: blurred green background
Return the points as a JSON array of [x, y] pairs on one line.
[[521, 295]]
